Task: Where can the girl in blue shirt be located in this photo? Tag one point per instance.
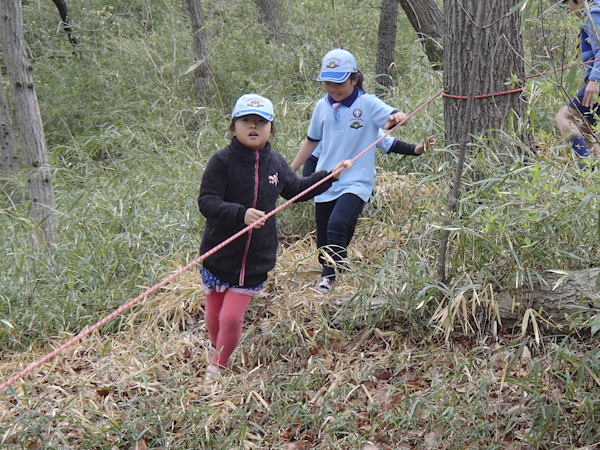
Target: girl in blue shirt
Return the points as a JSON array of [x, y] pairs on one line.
[[345, 122]]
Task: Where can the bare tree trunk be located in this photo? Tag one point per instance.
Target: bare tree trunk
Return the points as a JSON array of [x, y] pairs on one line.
[[268, 15], [9, 165], [386, 46], [200, 37], [28, 120], [427, 19], [470, 78], [501, 43], [497, 39], [558, 299], [66, 20]]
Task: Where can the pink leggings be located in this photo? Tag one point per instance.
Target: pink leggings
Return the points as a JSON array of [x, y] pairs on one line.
[[224, 316]]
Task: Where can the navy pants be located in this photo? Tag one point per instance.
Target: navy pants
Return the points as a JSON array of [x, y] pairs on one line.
[[336, 222], [589, 113]]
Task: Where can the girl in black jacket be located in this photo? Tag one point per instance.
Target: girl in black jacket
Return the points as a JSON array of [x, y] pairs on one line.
[[240, 184]]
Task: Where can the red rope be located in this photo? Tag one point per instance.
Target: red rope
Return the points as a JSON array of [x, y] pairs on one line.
[[162, 283], [215, 249], [399, 124], [157, 286], [562, 68], [464, 97], [521, 89]]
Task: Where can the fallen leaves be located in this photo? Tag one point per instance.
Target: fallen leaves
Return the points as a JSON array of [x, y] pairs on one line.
[[140, 445]]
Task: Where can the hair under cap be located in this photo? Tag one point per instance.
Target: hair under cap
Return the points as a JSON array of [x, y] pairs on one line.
[[249, 104], [337, 66]]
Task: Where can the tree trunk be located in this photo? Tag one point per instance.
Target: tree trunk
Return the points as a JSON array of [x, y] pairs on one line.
[[268, 15], [386, 46], [560, 303], [28, 121], [502, 46], [200, 37], [462, 145], [427, 19], [66, 20], [9, 165]]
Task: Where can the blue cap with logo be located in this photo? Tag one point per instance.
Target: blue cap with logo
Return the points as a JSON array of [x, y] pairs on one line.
[[337, 66], [249, 104]]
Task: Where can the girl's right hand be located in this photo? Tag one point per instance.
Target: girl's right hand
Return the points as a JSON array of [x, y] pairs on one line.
[[252, 215], [395, 119], [347, 164], [589, 95]]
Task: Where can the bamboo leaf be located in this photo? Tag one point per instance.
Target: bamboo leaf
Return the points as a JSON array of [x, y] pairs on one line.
[[525, 322], [193, 67], [584, 202]]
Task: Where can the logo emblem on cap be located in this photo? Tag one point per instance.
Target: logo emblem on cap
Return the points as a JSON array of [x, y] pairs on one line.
[[332, 64], [255, 104]]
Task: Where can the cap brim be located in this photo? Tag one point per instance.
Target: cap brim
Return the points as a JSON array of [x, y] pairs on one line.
[[250, 112], [334, 77]]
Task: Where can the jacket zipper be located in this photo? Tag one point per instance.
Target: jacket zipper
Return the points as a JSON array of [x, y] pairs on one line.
[[243, 271]]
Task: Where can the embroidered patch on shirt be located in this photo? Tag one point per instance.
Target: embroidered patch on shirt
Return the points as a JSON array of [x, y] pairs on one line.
[[357, 112], [274, 179], [356, 125]]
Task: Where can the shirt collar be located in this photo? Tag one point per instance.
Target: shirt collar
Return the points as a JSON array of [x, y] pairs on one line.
[[346, 102]]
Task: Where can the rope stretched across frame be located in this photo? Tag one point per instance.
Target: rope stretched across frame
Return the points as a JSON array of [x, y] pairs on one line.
[[188, 266]]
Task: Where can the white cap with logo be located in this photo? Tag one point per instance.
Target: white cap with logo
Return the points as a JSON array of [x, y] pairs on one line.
[[249, 104], [337, 66]]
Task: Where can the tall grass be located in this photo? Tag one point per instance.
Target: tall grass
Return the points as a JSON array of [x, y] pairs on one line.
[[128, 147]]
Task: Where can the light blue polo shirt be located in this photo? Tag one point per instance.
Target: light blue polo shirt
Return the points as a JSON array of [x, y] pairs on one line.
[[344, 133]]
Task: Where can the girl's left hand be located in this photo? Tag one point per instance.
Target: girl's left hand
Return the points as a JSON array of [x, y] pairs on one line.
[[422, 147], [395, 119]]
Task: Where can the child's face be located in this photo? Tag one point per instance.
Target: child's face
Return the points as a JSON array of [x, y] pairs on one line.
[[252, 131], [573, 6], [340, 92]]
